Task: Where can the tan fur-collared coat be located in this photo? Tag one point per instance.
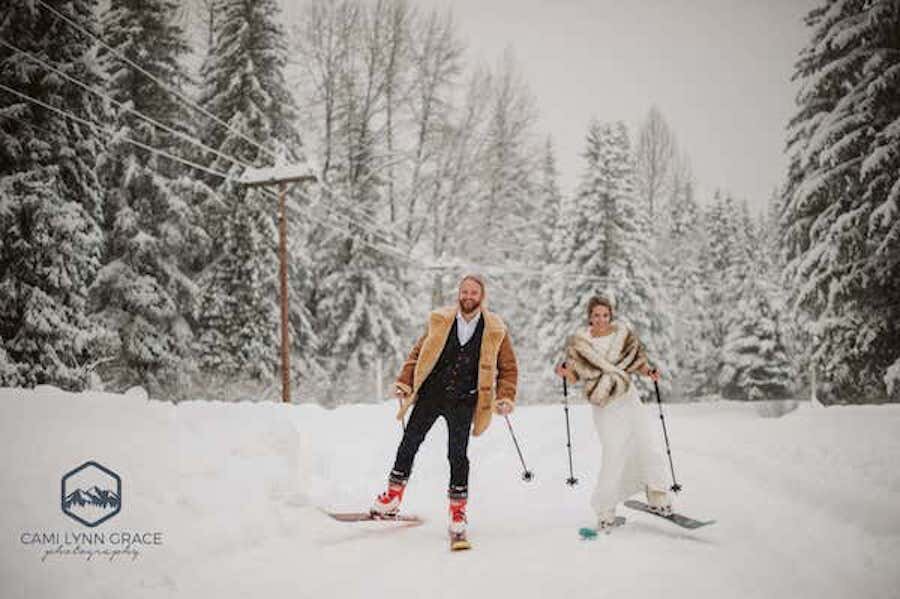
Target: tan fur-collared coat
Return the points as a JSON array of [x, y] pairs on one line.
[[497, 369]]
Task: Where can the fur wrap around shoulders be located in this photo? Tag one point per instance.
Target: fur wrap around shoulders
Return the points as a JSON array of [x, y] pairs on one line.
[[606, 375]]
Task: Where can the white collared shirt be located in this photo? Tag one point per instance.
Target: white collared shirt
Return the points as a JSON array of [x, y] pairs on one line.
[[465, 330]]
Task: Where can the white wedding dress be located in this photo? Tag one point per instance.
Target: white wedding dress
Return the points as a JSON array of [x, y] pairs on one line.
[[632, 460]]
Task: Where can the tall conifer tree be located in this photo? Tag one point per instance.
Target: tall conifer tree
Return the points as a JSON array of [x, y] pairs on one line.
[[145, 291], [243, 85], [841, 229], [51, 201]]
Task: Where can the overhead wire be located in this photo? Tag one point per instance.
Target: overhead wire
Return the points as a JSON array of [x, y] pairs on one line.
[[392, 250], [183, 135], [346, 205], [389, 251]]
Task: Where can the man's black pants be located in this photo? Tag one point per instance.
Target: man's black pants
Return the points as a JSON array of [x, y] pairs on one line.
[[457, 412]]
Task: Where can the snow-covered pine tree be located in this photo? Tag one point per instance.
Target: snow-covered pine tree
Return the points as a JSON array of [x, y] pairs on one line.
[[770, 238], [608, 251], [737, 275], [754, 363], [580, 236], [238, 313], [144, 291], [51, 201], [537, 355], [795, 336], [717, 259], [559, 310], [243, 85], [680, 252], [362, 305], [743, 254], [635, 275], [362, 309], [549, 204], [508, 205], [842, 198]]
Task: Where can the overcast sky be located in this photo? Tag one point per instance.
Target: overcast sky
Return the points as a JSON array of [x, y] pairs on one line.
[[719, 70]]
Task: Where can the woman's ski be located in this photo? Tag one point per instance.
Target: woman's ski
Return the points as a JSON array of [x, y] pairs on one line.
[[678, 519]]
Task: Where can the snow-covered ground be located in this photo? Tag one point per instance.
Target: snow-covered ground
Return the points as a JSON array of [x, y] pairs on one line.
[[808, 505]]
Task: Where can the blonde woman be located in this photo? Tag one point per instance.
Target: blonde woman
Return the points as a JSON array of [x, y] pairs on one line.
[[603, 356]]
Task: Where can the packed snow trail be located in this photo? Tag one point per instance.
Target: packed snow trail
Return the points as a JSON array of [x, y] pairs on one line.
[[805, 504]]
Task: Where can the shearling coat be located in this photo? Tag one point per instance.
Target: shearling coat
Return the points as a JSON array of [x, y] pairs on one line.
[[497, 368]]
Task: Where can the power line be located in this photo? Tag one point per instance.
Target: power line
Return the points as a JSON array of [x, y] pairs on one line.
[[105, 96], [189, 138], [521, 272], [192, 104], [349, 219], [29, 124], [387, 251], [155, 79], [99, 127], [392, 252]]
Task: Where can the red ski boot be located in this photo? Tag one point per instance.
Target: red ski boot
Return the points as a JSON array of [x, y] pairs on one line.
[[457, 528], [387, 504]]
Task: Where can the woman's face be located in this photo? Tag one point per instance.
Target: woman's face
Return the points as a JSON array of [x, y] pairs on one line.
[[600, 316]]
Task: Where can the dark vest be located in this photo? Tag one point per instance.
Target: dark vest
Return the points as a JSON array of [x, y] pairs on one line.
[[455, 375]]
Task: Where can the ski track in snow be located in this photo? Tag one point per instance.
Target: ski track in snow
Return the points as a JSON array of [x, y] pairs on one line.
[[805, 504]]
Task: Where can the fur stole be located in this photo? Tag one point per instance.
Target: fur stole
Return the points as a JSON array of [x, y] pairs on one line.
[[606, 375]]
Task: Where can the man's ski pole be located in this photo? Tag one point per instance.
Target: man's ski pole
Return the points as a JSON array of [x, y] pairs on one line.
[[402, 420], [527, 475], [675, 486], [571, 481]]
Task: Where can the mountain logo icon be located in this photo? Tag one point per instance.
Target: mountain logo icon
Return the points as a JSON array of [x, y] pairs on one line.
[[91, 494]]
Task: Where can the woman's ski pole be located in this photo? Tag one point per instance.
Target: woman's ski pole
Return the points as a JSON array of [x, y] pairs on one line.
[[675, 486], [571, 481], [527, 475]]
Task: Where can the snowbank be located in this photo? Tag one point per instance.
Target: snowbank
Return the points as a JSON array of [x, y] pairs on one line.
[[213, 478], [806, 504]]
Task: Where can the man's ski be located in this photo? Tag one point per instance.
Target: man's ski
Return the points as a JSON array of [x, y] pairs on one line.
[[459, 542], [588, 533], [679, 519], [368, 516]]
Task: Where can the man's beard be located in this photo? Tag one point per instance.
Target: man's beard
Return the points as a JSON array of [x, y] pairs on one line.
[[468, 306]]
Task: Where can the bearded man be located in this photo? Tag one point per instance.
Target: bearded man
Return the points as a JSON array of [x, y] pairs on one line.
[[462, 369]]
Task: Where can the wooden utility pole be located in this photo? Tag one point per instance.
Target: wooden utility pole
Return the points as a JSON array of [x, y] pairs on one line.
[[281, 176], [283, 276]]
